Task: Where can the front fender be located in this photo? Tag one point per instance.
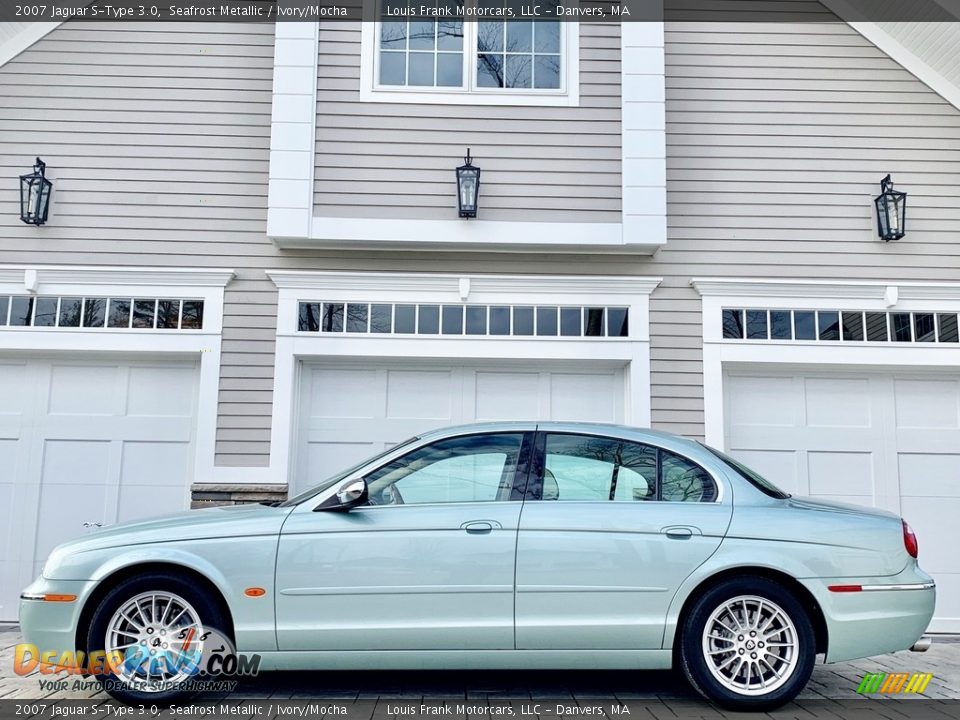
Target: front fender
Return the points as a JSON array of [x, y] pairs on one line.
[[231, 564]]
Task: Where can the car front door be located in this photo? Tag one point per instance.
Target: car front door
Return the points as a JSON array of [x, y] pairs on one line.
[[427, 564], [609, 531]]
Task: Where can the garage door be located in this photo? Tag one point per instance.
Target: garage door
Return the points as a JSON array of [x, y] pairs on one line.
[[880, 439], [349, 412], [96, 442]]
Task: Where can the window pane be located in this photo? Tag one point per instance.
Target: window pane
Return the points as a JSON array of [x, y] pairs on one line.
[[519, 36], [546, 36], [423, 35], [21, 311], [617, 322], [518, 72], [4, 308], [546, 321], [405, 319], [332, 317], [478, 468], [168, 314], [523, 321], [570, 322], [853, 326], [756, 324], [499, 320], [489, 34], [593, 322], [357, 318], [380, 318], [829, 325], [71, 311], [449, 70], [421, 69], [119, 316], [546, 72], [948, 328], [733, 324], [901, 327], [588, 468], [490, 70], [94, 312], [453, 319], [684, 481], [477, 320], [393, 68], [192, 315], [450, 35], [924, 327], [143, 313], [877, 327], [780, 325], [45, 314], [428, 320], [803, 326], [393, 35], [308, 320]]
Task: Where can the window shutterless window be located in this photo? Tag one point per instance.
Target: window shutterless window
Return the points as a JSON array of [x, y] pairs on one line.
[[490, 61]]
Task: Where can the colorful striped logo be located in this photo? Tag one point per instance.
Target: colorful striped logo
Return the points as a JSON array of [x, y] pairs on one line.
[[894, 683]]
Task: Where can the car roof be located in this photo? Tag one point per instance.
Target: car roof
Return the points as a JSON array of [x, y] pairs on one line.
[[627, 432]]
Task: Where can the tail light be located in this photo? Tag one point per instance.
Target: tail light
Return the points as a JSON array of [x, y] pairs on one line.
[[910, 540]]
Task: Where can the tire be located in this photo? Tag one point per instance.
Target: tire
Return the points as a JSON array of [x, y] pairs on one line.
[[782, 652], [172, 593]]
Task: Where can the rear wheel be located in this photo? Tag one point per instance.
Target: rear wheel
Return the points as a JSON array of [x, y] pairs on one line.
[[747, 644]]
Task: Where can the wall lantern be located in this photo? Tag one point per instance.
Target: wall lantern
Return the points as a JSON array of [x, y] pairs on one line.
[[891, 211], [35, 195], [468, 188]]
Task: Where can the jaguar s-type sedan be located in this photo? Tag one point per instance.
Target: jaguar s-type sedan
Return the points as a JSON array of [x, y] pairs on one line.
[[504, 545]]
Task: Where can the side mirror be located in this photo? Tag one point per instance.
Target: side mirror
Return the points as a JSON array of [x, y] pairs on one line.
[[348, 495]]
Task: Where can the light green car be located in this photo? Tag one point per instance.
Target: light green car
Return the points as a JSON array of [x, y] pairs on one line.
[[502, 545]]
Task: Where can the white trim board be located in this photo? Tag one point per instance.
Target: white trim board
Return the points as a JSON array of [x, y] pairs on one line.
[[30, 34], [292, 346], [718, 353], [207, 285]]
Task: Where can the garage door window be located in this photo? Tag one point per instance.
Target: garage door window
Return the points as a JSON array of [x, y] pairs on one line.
[[478, 468], [101, 312]]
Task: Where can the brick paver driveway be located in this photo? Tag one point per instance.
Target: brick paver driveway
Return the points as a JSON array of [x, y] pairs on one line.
[[829, 682]]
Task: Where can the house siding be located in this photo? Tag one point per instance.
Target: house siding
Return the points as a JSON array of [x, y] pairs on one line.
[[777, 138], [396, 160]]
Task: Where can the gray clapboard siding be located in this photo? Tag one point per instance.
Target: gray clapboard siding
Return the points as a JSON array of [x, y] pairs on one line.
[[777, 137], [397, 160]]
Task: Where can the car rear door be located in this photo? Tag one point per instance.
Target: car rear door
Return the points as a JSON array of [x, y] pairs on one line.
[[609, 531]]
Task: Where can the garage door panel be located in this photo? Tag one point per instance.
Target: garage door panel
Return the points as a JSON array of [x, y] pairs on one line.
[[886, 439], [117, 427], [137, 502], [421, 395], [584, 397], [328, 399], [507, 395], [178, 396], [154, 464], [927, 404], [837, 403], [82, 390]]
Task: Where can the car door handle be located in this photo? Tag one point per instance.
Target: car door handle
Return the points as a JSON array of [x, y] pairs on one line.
[[678, 532], [480, 527]]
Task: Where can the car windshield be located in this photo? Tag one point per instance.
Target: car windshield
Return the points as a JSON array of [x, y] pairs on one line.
[[307, 494], [755, 479]]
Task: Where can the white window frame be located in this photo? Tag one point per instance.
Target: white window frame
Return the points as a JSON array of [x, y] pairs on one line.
[[567, 96]]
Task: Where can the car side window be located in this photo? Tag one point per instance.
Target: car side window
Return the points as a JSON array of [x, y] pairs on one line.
[[473, 468], [583, 467], [590, 468]]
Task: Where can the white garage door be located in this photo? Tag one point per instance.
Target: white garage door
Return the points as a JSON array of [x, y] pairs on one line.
[[880, 439], [350, 412], [87, 441]]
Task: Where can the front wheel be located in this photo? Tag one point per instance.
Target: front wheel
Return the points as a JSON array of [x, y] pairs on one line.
[[747, 644]]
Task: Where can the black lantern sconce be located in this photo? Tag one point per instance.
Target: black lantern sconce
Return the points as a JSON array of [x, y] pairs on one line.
[[468, 188], [35, 195], [891, 211]]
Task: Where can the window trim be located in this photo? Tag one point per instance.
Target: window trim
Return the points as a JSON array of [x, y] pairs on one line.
[[469, 94], [538, 463]]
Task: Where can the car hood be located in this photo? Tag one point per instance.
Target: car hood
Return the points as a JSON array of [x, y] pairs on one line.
[[215, 522], [807, 503]]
